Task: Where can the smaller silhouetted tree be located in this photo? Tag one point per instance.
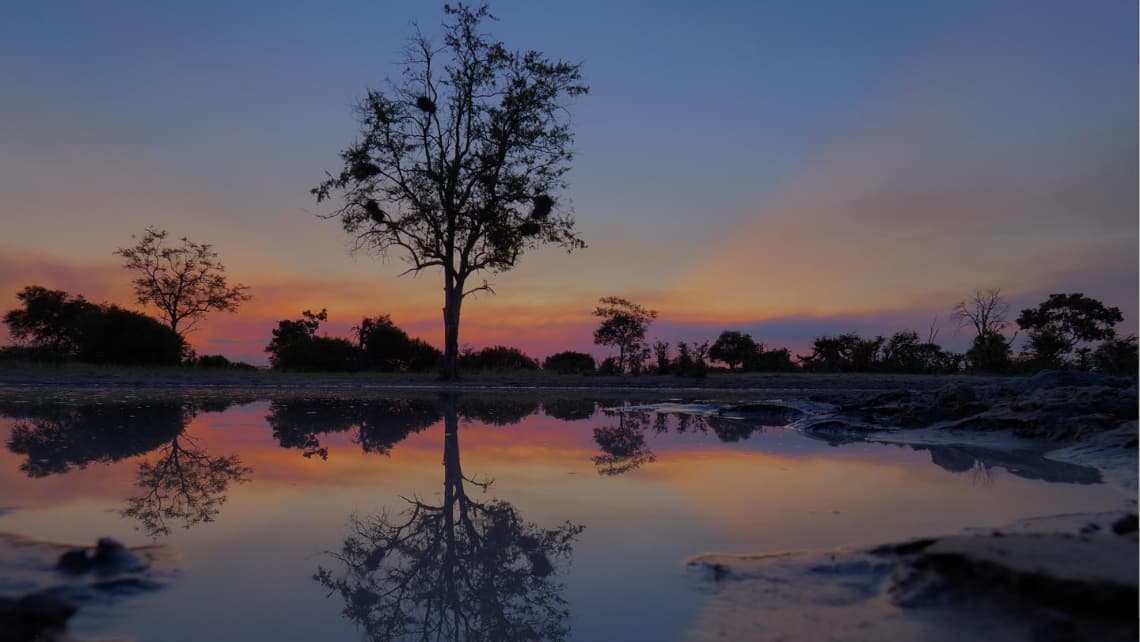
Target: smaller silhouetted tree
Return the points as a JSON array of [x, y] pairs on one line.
[[985, 311], [990, 352], [661, 352], [734, 349], [623, 326], [183, 282], [1061, 322]]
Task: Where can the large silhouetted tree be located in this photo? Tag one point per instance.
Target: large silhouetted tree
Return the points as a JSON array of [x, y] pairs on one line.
[[459, 162], [183, 282], [463, 569]]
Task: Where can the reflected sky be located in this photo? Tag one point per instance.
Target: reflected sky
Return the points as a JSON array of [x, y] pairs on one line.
[[716, 485]]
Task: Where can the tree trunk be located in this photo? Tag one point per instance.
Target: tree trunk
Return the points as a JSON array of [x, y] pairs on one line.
[[453, 299]]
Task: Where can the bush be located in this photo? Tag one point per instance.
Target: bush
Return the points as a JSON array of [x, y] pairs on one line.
[[115, 335], [609, 366], [1117, 357], [497, 358], [569, 362], [219, 361], [387, 348], [322, 354]]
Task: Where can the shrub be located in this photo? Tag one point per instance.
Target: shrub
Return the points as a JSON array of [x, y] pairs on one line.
[[115, 335], [1117, 357], [386, 347], [569, 362], [325, 354], [497, 358]]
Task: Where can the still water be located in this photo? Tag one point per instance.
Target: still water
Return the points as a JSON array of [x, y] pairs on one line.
[[434, 516]]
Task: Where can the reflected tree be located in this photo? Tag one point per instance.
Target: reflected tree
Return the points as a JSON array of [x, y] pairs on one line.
[[184, 484], [462, 570], [56, 438], [623, 445], [379, 424]]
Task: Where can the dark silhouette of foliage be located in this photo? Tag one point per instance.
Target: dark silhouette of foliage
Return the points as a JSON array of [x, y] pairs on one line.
[[772, 361], [114, 335], [734, 349], [457, 165], [184, 483], [183, 282], [623, 445], [609, 366], [569, 362], [1061, 322], [496, 412], [847, 352], [497, 358], [986, 311], [379, 424], [296, 346], [460, 570], [661, 353], [56, 438], [388, 348], [1117, 356], [569, 409], [623, 326], [990, 352], [49, 319], [218, 361]]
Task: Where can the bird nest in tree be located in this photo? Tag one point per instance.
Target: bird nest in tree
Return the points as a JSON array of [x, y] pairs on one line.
[[425, 104]]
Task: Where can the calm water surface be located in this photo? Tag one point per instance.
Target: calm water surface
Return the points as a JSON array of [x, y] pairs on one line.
[[482, 517]]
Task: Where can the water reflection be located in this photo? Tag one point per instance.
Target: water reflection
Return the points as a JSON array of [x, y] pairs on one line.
[[183, 485], [377, 424], [463, 570], [624, 446]]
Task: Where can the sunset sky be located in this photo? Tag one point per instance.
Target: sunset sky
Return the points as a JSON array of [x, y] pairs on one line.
[[784, 168]]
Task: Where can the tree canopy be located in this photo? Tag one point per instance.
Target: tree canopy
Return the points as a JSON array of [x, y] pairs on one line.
[[623, 326], [459, 162], [183, 282], [1061, 322]]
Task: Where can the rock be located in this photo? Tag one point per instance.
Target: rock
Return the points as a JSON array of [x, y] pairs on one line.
[[44, 609], [1125, 525], [74, 561]]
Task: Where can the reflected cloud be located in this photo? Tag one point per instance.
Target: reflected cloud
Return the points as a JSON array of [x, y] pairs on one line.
[[462, 570]]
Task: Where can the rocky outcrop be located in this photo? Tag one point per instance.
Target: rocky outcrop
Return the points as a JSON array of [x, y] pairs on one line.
[[1052, 405], [1069, 578]]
